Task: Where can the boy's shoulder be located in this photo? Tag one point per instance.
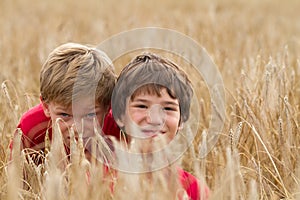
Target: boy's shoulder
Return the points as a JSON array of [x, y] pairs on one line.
[[32, 118], [110, 126], [192, 186], [34, 124]]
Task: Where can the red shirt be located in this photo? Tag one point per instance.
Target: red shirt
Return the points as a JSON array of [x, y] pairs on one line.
[[192, 187], [34, 124]]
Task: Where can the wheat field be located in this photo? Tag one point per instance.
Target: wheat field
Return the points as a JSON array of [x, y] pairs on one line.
[[256, 46]]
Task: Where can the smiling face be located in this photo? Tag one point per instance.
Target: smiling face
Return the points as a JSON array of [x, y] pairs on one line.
[[84, 111], [150, 115]]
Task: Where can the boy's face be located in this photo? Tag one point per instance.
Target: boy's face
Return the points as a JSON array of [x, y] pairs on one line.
[[83, 111], [150, 116]]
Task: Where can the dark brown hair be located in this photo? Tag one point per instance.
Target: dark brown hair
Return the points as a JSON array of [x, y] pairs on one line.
[[151, 73]]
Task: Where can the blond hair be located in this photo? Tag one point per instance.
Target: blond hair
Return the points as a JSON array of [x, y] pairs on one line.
[[149, 73], [72, 71]]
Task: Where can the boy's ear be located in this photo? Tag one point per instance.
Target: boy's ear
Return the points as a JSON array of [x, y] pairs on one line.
[[120, 122], [45, 107], [180, 126]]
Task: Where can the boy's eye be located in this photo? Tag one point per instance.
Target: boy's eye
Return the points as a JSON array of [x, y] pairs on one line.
[[64, 115], [170, 108], [91, 115], [141, 106]]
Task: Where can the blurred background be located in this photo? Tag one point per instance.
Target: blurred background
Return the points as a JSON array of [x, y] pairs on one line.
[[255, 44]]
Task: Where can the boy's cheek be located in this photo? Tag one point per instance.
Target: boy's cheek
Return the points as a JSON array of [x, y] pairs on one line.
[[89, 125]]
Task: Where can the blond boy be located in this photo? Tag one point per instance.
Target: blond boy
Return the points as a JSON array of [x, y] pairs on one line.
[[76, 83]]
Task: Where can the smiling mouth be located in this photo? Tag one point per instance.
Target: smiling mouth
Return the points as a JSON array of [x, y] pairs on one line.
[[152, 133]]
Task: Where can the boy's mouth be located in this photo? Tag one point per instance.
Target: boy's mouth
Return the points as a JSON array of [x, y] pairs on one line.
[[152, 132]]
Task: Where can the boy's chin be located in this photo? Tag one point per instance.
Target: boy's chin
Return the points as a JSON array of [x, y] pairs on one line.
[[149, 145]]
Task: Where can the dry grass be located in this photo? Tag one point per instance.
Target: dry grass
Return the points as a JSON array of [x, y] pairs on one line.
[[256, 46]]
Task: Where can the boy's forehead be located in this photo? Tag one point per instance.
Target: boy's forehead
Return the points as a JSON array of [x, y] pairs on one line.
[[84, 103], [151, 89]]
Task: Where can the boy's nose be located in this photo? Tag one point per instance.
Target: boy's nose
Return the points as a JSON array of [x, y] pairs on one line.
[[75, 124], [69, 123], [156, 115]]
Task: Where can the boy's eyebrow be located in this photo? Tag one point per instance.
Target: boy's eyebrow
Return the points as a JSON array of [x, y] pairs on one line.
[[62, 108], [171, 103], [96, 107], [93, 108], [139, 99]]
